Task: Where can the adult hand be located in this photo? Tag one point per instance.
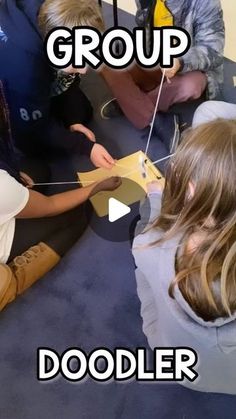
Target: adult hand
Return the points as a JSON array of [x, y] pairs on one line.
[[101, 158], [171, 72], [84, 130], [27, 180]]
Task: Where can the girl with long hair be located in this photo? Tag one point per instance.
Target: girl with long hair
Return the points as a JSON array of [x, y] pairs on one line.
[[186, 257]]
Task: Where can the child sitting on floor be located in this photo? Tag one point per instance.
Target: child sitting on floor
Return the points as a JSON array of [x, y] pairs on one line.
[[186, 256], [199, 70], [35, 230], [49, 111]]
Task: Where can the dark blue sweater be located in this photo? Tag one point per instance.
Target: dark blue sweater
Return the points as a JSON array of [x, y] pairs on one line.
[[7, 155], [28, 76]]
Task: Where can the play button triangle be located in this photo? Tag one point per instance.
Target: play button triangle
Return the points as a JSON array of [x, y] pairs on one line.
[[117, 210]]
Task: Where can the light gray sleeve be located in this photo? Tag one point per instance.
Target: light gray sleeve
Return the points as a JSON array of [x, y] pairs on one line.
[[148, 308], [150, 209], [211, 110]]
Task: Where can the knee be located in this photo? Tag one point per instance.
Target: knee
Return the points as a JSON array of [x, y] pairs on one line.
[[191, 90], [193, 87]]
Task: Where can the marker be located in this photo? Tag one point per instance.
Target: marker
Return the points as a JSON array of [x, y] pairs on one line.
[[142, 167]]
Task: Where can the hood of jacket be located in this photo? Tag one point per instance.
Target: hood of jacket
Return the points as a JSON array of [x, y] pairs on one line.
[[220, 332], [222, 329], [157, 264]]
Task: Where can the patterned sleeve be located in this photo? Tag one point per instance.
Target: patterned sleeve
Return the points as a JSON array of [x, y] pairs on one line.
[[207, 50]]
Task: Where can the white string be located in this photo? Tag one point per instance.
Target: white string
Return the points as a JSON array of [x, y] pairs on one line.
[[164, 158], [117, 164], [148, 164], [155, 111], [64, 183], [93, 181]]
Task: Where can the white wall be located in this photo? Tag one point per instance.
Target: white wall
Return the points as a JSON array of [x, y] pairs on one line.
[[127, 5], [229, 7]]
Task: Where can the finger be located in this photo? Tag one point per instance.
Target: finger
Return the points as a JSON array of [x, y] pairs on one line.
[[27, 180], [108, 158], [93, 140], [106, 165], [91, 136], [118, 181], [103, 163]]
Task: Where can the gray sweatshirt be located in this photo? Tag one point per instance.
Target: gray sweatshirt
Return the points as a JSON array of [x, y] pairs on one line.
[[171, 322]]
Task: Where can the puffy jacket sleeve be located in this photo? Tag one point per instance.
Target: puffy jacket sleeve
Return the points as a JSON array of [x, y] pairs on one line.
[[207, 50]]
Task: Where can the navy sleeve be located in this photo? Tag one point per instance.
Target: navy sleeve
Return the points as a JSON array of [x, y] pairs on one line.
[[73, 106], [56, 137]]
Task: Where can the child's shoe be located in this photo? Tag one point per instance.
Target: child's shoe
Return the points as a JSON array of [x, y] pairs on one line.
[[111, 109], [33, 265], [24, 271], [7, 286]]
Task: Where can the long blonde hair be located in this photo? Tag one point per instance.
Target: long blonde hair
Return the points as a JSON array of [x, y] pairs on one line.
[[206, 275], [69, 13]]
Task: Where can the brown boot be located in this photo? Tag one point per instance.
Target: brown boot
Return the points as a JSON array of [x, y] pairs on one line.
[[33, 265], [24, 271], [7, 286]]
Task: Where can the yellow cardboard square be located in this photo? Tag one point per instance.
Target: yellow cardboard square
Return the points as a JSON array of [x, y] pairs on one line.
[[129, 167]]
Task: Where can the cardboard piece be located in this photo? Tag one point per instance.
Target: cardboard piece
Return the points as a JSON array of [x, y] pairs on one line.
[[130, 168]]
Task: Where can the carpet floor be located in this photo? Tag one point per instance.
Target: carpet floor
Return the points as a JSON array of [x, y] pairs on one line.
[[90, 301]]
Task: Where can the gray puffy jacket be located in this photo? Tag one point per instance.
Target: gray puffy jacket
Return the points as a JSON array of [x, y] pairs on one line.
[[203, 19]]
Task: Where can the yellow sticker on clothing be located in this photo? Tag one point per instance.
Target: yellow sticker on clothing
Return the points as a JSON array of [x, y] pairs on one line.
[[162, 15]]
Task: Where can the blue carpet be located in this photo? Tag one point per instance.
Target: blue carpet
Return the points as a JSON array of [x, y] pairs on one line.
[[90, 301]]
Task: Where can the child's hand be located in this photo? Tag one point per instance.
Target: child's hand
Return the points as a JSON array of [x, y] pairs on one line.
[[171, 72], [27, 180], [109, 184], [154, 187], [84, 130], [101, 158]]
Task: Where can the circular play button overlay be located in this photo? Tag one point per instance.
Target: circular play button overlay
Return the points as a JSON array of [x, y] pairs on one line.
[[116, 213]]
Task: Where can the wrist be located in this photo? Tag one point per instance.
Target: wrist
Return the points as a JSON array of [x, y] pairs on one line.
[[154, 193], [86, 146], [94, 189]]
